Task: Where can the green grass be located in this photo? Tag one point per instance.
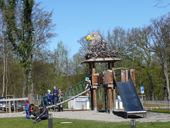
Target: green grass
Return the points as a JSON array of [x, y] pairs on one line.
[[24, 123], [161, 110]]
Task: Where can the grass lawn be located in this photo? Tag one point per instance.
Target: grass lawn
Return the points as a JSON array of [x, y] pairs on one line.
[[64, 123], [161, 110]]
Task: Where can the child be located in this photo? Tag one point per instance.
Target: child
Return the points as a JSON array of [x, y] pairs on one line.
[[27, 109]]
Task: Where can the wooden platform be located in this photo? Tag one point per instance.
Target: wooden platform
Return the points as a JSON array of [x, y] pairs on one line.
[[101, 60]]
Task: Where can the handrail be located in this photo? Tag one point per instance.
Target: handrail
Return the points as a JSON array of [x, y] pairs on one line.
[[51, 106], [119, 68]]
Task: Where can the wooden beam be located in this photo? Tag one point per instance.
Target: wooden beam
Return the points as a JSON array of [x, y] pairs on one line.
[[101, 60]]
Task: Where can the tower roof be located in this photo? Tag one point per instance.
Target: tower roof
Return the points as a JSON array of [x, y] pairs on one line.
[[98, 50]]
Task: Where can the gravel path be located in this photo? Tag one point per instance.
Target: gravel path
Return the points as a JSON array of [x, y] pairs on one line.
[[91, 115]]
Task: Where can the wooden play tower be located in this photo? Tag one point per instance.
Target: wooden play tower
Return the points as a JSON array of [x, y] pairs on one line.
[[108, 79], [100, 52]]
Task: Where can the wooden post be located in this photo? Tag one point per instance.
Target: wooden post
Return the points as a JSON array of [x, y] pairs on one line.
[[91, 91], [110, 98], [93, 68], [14, 106], [94, 98], [127, 75], [93, 88], [9, 105], [124, 75], [110, 91], [114, 86], [132, 76]]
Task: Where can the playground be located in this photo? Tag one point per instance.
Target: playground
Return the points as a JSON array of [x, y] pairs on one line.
[[117, 76], [116, 96], [111, 92]]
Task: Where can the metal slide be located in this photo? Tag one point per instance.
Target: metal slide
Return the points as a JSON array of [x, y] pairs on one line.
[[130, 99]]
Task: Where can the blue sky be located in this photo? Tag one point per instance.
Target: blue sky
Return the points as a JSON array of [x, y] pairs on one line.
[[75, 18]]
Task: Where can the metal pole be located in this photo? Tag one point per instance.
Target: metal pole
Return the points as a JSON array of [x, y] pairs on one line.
[[50, 121], [133, 123]]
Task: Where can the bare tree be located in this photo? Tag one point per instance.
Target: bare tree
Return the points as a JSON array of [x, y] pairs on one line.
[[60, 58], [161, 37], [140, 37], [117, 40]]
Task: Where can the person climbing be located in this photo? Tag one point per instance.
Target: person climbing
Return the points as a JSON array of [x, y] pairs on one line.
[[88, 83]]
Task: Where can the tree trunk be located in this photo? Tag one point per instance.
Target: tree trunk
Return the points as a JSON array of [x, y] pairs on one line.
[[30, 81], [4, 68], [167, 79], [4, 72], [29, 88], [24, 85], [4, 63], [151, 86]]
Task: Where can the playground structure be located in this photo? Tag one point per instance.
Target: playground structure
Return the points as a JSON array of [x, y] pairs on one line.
[[107, 80], [99, 52]]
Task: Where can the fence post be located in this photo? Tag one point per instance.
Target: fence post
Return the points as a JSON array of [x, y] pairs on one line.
[[50, 121], [133, 123]]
